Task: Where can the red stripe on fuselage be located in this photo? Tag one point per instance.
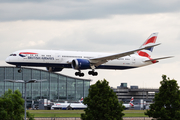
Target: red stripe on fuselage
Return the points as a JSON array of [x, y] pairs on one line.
[[27, 53], [144, 54]]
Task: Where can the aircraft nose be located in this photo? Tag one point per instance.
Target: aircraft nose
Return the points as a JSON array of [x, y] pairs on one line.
[[7, 60]]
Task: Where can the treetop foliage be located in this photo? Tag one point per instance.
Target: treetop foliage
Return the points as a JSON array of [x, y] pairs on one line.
[[167, 102], [102, 103], [11, 106]]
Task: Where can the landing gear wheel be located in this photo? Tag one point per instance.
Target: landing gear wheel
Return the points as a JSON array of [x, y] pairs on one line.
[[19, 71], [79, 74], [95, 74], [92, 73]]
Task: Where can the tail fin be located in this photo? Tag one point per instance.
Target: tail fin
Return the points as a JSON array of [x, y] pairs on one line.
[[131, 102], [147, 52], [81, 100], [151, 39]]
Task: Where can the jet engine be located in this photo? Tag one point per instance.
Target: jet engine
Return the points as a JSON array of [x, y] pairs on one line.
[[80, 64], [54, 69]]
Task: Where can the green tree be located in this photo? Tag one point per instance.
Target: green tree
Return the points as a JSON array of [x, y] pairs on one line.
[[11, 106], [102, 103], [30, 116], [167, 102]]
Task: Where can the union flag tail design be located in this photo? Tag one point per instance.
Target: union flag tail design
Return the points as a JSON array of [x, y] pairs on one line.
[[131, 102], [147, 52], [151, 39], [81, 100]]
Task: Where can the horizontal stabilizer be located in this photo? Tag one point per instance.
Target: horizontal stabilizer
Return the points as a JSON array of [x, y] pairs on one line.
[[158, 59]]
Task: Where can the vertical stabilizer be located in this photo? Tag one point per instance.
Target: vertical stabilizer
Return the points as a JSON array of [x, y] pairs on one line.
[[151, 39], [131, 102], [147, 52], [81, 100]]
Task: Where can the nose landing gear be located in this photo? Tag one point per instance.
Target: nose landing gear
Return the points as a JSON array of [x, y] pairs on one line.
[[20, 70]]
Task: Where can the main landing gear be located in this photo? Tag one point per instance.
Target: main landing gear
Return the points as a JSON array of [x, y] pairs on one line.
[[79, 74], [92, 73]]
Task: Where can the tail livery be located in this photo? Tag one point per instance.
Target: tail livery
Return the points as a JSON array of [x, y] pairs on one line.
[[131, 102], [81, 100], [150, 40], [130, 105], [147, 52]]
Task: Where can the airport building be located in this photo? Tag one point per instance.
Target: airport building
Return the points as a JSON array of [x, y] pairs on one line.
[[125, 93], [58, 87]]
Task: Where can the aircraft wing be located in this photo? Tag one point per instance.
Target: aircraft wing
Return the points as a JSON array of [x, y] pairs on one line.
[[22, 81], [14, 81], [101, 60], [158, 58], [35, 81]]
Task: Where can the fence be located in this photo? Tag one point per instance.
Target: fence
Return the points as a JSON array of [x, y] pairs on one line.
[[60, 118], [125, 118]]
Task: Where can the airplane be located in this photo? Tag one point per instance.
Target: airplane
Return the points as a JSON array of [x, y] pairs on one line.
[[130, 104], [56, 60], [75, 106], [62, 106], [66, 106]]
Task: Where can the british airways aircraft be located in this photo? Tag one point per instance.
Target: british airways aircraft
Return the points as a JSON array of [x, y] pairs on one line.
[[130, 104], [56, 60]]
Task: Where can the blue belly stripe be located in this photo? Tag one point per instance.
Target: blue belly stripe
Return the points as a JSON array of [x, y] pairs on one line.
[[67, 65]]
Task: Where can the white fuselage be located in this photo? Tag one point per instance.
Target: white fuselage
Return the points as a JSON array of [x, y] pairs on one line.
[[77, 106], [65, 106], [63, 59], [127, 106], [60, 106]]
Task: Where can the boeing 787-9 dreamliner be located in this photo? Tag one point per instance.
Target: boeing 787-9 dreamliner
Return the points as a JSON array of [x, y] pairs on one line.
[[56, 60]]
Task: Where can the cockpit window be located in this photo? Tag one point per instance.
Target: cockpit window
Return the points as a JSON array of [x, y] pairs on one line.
[[12, 55]]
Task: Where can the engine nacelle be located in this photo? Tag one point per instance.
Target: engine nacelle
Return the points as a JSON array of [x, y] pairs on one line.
[[80, 64], [53, 69]]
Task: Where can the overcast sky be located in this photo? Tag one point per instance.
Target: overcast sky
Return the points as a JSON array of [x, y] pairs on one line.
[[96, 25]]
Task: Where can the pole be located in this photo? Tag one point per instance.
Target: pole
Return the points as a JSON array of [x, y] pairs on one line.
[[25, 101], [143, 98]]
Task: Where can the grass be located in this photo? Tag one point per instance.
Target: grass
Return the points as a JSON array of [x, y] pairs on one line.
[[134, 113], [56, 113], [77, 113]]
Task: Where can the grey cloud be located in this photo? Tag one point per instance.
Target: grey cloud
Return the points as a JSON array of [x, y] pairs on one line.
[[70, 9], [91, 41], [18, 1], [114, 38]]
